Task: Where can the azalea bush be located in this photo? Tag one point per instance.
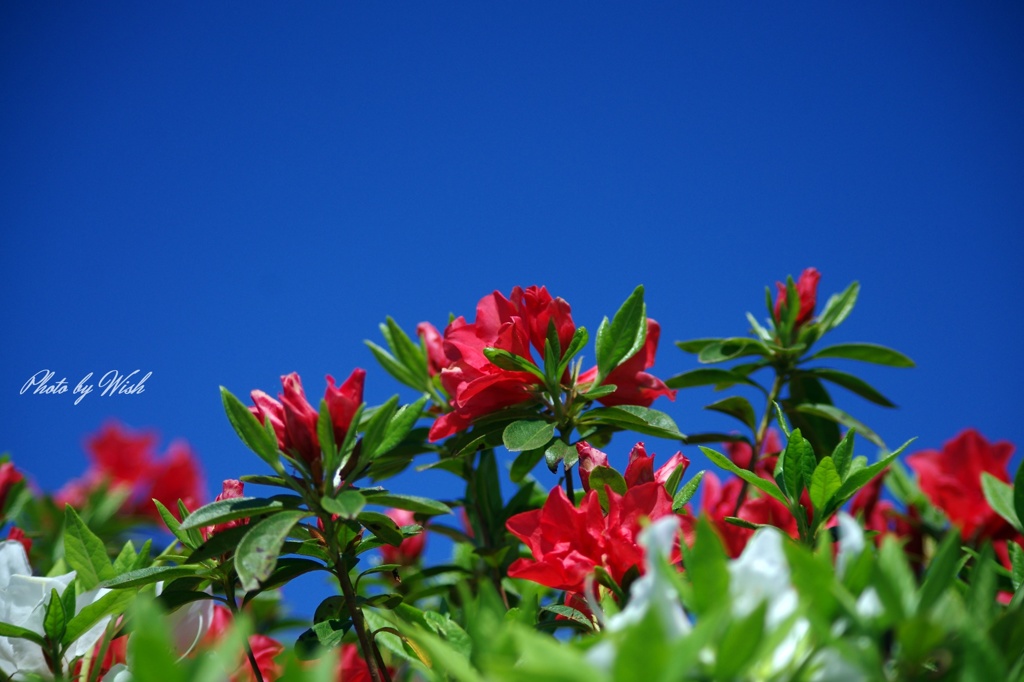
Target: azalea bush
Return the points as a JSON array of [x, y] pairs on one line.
[[811, 552]]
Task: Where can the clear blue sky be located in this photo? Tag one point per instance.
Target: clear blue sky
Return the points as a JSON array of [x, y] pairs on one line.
[[221, 195]]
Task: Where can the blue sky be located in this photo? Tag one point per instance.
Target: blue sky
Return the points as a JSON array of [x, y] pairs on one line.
[[221, 195]]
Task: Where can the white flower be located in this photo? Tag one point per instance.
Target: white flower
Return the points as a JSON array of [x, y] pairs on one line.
[[23, 602], [654, 590]]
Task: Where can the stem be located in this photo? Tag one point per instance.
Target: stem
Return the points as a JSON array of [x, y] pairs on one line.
[[229, 591], [378, 672], [569, 492], [759, 435]]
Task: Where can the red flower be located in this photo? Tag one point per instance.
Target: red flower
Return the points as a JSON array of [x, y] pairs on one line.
[[120, 455], [175, 477], [807, 292], [952, 481], [9, 476], [351, 666], [633, 385], [294, 419], [477, 386], [739, 452], [719, 501], [639, 470], [230, 489], [265, 649], [436, 359], [18, 534], [569, 543], [411, 549]]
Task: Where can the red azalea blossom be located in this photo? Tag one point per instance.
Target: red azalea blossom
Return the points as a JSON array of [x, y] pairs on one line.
[[436, 359], [294, 419], [952, 481], [739, 452], [9, 476], [265, 649], [120, 455], [634, 386], [639, 470], [719, 501], [18, 534], [411, 549], [175, 477], [230, 490], [807, 292], [352, 667], [477, 386], [569, 543]]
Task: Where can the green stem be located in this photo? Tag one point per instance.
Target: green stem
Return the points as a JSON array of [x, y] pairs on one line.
[[759, 435], [229, 591], [378, 672]]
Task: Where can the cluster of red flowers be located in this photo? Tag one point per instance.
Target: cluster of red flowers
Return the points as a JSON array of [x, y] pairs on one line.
[[294, 419], [123, 459], [518, 324]]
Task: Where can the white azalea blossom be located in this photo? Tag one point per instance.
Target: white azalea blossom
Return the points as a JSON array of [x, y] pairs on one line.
[[23, 602], [654, 590]]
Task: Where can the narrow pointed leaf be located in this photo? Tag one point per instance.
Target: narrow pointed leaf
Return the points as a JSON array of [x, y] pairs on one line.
[[865, 352], [833, 413], [250, 430], [853, 384], [738, 407], [824, 483], [748, 476], [1000, 497], [526, 434], [419, 505], [84, 551]]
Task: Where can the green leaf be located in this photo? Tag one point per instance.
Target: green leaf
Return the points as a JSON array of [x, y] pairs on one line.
[[798, 463], [721, 350], [407, 351], [625, 336], [602, 478], [250, 430], [1000, 497], [257, 553], [579, 340], [222, 511], [325, 434], [1018, 492], [634, 418], [1017, 563], [695, 345], [152, 574], [55, 619], [843, 454], [600, 391], [833, 413], [84, 551], [346, 504], [173, 524], [942, 569], [738, 407], [8, 630], [858, 477], [111, 604], [707, 569], [741, 641], [824, 483], [853, 384], [557, 452], [865, 352], [707, 376], [401, 425], [419, 505], [838, 308], [687, 492], [525, 462], [383, 526], [527, 434], [376, 427], [512, 362], [753, 479]]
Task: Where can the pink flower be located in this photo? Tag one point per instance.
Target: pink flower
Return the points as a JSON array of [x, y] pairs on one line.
[[120, 455], [807, 292], [9, 477], [477, 386], [569, 543], [231, 489], [352, 667], [739, 452], [634, 386], [265, 649], [411, 549], [952, 481], [294, 419]]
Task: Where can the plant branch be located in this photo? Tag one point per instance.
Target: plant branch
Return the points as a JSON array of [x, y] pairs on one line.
[[760, 434]]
